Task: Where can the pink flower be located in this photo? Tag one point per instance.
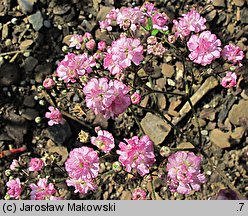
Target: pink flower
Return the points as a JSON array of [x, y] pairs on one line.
[[104, 141], [130, 18], [232, 53], [159, 21], [82, 186], [122, 53], [91, 44], [229, 80], [87, 36], [82, 163], [190, 22], [75, 41], [55, 116], [184, 172], [14, 165], [106, 97], [151, 40], [137, 154], [35, 164], [14, 188], [74, 66], [42, 191], [204, 48], [148, 8], [105, 25], [138, 194], [48, 83], [135, 98], [156, 49], [102, 45]]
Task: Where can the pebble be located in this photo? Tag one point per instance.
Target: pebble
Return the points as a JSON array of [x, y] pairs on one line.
[[26, 6], [238, 111], [219, 138], [219, 3], [36, 20], [210, 16], [9, 74], [29, 101], [168, 70], [30, 114], [59, 133], [26, 44], [63, 153], [30, 63], [244, 15], [61, 9], [156, 128], [47, 23], [239, 3]]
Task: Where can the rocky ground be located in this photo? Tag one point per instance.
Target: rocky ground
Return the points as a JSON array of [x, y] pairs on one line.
[[32, 35]]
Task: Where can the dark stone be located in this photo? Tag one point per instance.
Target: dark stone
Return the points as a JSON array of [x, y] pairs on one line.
[[9, 74]]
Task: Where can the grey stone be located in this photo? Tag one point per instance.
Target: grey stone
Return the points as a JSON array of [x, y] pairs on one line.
[[244, 15], [36, 20], [9, 74], [29, 101], [16, 127], [26, 6], [30, 114], [30, 63], [61, 9], [238, 112], [156, 128], [59, 133]]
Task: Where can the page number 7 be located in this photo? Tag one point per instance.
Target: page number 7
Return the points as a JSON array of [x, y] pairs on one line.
[[241, 206]]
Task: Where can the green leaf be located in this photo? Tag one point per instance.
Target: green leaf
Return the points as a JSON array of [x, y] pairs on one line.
[[149, 25], [165, 32], [155, 32]]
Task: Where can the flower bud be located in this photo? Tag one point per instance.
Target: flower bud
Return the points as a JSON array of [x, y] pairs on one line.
[[165, 151], [116, 166], [37, 120]]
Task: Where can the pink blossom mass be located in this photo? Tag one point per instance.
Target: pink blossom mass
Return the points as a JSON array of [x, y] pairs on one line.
[[82, 163], [184, 172], [137, 154], [204, 48]]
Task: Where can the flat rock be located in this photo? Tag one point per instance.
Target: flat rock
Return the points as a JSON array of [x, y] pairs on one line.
[[238, 133], [26, 6], [219, 138], [238, 112], [167, 70], [239, 3], [185, 145], [126, 195], [61, 9], [211, 15], [16, 127], [30, 114], [29, 101], [219, 3], [36, 20], [26, 44], [9, 74], [30, 63], [156, 128], [62, 152], [59, 133], [244, 15]]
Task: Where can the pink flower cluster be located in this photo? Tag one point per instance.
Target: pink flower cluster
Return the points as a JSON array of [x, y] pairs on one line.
[[74, 66], [229, 80], [75, 41], [232, 53], [184, 172], [135, 98], [137, 154], [82, 167], [35, 164], [204, 48], [55, 116], [122, 53], [190, 22], [109, 98], [42, 191], [126, 18], [14, 188], [138, 194], [154, 47], [104, 140], [159, 21]]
